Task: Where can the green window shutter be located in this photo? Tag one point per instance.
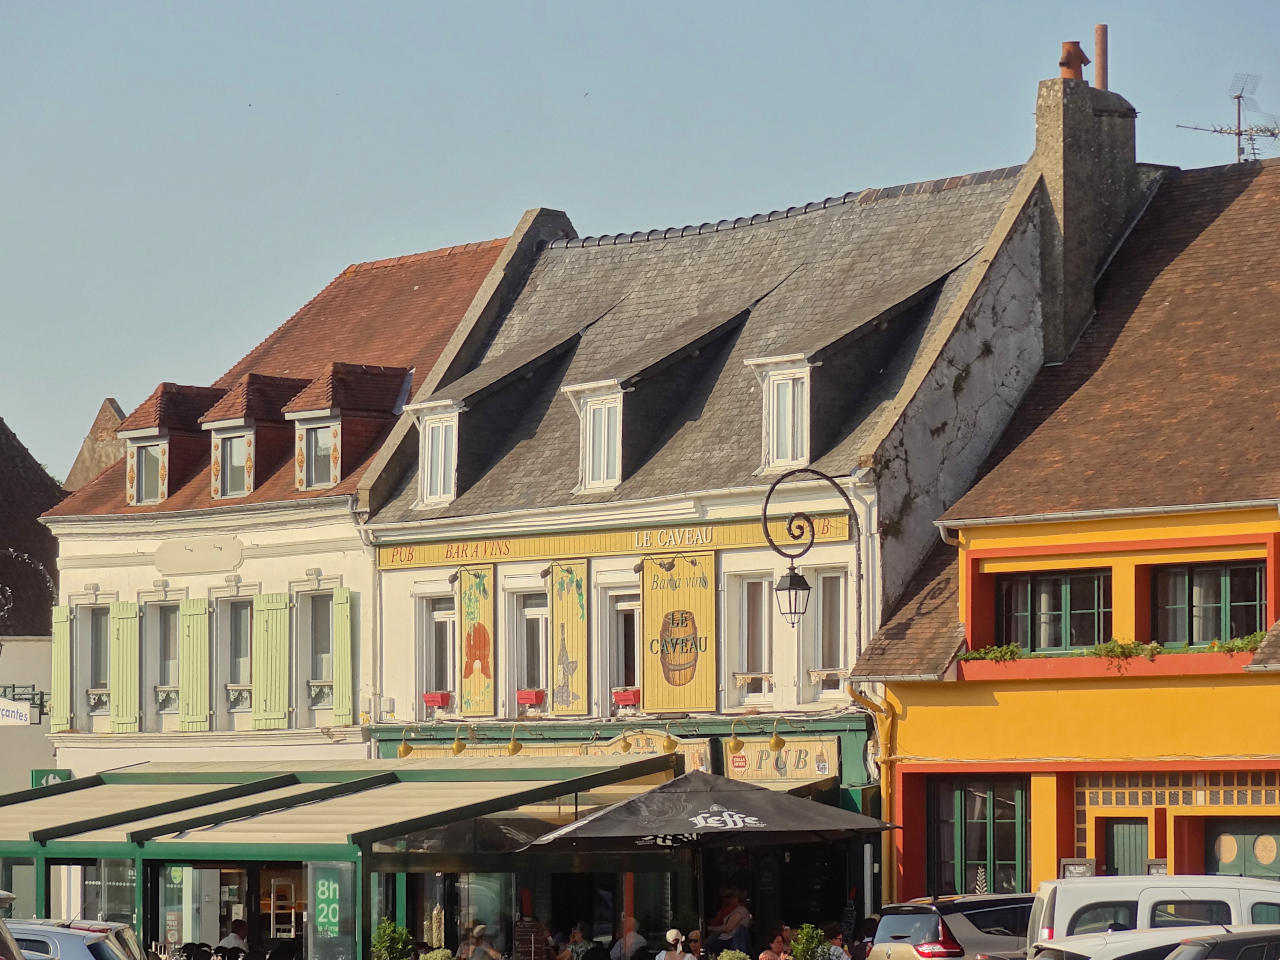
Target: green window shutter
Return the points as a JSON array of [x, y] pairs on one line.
[[193, 666], [270, 661], [61, 695], [343, 658], [124, 669]]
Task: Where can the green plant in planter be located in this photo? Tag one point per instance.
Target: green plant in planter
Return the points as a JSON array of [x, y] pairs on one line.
[[1118, 654], [733, 955], [1000, 654], [1246, 644], [810, 944], [443, 953], [391, 942]]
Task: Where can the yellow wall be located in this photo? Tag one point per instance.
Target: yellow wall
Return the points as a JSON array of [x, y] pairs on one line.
[[1108, 718]]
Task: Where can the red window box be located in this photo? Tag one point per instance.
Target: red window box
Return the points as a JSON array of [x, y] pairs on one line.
[[627, 697], [437, 699], [531, 698]]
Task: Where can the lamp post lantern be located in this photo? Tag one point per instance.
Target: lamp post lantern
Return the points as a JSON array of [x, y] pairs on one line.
[[792, 589]]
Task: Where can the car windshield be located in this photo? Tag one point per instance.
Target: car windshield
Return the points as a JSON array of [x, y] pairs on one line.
[[919, 927], [1190, 951]]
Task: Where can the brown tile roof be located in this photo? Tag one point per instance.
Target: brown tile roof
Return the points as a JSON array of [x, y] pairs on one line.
[[1171, 396], [28, 551], [175, 406], [399, 312], [255, 397], [924, 633], [353, 389], [1268, 652]]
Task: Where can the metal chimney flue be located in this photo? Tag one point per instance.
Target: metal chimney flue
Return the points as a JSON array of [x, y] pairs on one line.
[[1073, 61], [1100, 56]]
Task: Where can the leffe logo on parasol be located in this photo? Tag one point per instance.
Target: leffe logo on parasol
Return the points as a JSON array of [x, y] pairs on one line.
[[722, 818]]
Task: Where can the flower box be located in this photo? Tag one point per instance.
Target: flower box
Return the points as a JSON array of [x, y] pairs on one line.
[[1167, 664], [531, 698], [627, 697], [439, 699]]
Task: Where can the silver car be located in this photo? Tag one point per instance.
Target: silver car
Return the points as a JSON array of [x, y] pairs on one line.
[[120, 934], [63, 943]]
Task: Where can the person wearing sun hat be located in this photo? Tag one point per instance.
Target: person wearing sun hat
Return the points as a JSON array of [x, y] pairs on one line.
[[675, 947]]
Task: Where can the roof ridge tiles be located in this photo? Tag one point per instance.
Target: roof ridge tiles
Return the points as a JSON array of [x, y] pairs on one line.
[[425, 255], [869, 195]]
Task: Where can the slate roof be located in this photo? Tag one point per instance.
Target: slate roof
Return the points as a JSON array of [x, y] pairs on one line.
[[1170, 398], [923, 634], [814, 263], [351, 346], [28, 551]]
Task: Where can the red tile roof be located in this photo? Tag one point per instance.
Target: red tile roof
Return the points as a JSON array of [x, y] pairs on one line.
[[396, 314], [28, 551], [399, 312], [175, 406], [353, 389], [1171, 397], [255, 397]]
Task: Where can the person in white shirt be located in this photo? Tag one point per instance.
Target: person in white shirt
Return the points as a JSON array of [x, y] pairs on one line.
[[675, 947], [236, 936], [629, 941]]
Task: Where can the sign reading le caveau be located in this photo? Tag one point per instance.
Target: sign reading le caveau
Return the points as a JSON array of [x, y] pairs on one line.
[[832, 528]]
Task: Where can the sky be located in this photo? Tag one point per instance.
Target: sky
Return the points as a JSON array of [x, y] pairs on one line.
[[181, 177]]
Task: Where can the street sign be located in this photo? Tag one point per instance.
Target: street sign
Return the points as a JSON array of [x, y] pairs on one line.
[[46, 778], [17, 712]]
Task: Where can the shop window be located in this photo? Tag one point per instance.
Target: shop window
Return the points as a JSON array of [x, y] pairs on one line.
[[980, 835], [233, 460], [531, 624], [316, 632], [1061, 610], [18, 876], [437, 624], [1208, 603], [624, 641], [160, 662], [754, 678], [239, 653], [92, 655]]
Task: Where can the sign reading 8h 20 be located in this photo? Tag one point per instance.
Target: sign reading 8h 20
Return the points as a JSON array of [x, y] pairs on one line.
[[678, 608]]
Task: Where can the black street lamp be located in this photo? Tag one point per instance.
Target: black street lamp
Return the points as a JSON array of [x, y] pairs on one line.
[[792, 589]]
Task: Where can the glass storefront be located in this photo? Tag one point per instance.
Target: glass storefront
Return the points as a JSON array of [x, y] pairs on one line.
[[18, 876]]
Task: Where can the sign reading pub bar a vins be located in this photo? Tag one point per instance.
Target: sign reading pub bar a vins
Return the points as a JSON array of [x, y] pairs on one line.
[[678, 610]]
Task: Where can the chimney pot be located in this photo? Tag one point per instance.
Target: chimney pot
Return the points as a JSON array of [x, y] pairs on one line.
[[1100, 55], [1073, 60]]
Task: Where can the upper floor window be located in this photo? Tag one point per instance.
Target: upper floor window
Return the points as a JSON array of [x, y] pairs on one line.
[[149, 472], [320, 456], [531, 609], [93, 627], [624, 641], [829, 643], [439, 456], [1208, 603], [318, 634], [165, 645], [239, 653], [437, 636], [755, 635], [602, 446], [784, 386], [1057, 610], [234, 468]]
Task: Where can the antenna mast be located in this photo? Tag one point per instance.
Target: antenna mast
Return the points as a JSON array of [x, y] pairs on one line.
[[1243, 86]]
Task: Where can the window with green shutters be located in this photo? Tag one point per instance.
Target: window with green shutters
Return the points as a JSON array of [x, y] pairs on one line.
[[1054, 610], [1196, 605], [271, 662], [60, 710], [194, 707], [979, 835], [125, 667]]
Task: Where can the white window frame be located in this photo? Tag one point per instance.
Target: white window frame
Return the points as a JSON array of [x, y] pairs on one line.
[[308, 686], [622, 603], [82, 659], [772, 373], [816, 672], [438, 432], [604, 400], [540, 617], [222, 699], [152, 617], [305, 426], [429, 613], [753, 691], [221, 445]]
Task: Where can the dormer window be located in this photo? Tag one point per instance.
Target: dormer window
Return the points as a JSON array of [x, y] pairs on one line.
[[599, 407], [147, 476], [320, 456], [234, 457], [784, 383], [438, 426]]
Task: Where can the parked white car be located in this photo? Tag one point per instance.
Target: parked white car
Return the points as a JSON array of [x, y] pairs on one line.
[[120, 934], [1065, 908], [1129, 944]]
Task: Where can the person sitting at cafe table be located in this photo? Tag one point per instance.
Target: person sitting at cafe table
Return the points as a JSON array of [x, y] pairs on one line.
[[732, 930], [693, 944], [628, 942], [478, 946], [777, 949], [675, 947], [835, 940]]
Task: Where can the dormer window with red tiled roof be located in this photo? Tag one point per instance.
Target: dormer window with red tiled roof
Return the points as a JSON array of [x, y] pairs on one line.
[[248, 421], [159, 438]]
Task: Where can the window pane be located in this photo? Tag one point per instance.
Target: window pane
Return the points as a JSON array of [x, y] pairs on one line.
[[446, 460], [780, 428], [434, 459], [1188, 913], [595, 417], [99, 629], [611, 443], [149, 472], [1206, 605], [167, 674], [241, 618], [830, 647], [1046, 594], [533, 607], [234, 475], [1244, 584], [756, 625], [319, 456], [321, 637], [1015, 598], [799, 412]]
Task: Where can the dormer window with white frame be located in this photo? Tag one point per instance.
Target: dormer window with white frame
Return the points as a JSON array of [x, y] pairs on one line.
[[784, 386], [231, 459], [599, 407], [147, 468], [438, 430], [317, 450]]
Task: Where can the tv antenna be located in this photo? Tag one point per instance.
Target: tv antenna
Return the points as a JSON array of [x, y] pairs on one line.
[[1243, 87]]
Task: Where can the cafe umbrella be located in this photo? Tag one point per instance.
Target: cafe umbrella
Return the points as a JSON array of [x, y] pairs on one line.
[[700, 810]]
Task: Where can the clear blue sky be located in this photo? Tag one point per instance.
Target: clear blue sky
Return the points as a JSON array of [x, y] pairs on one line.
[[180, 177]]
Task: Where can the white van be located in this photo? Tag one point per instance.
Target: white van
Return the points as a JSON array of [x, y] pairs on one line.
[[1131, 944], [1065, 908]]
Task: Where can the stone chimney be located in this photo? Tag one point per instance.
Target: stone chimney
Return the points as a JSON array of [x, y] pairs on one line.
[[1085, 153]]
